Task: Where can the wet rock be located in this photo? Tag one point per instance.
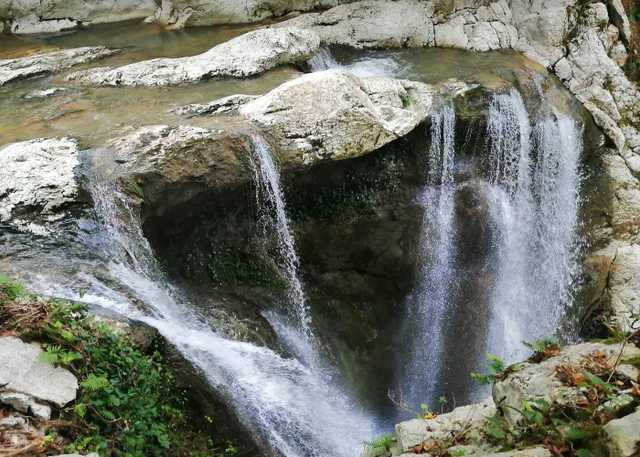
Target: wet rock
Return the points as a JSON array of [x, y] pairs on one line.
[[623, 435], [51, 62], [37, 178], [45, 93], [531, 381], [222, 105], [172, 164], [22, 373], [247, 55]]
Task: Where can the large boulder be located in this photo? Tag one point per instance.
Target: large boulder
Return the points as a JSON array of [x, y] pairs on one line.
[[247, 55], [24, 378], [33, 16], [317, 117], [45, 64], [333, 115], [181, 13], [38, 179]]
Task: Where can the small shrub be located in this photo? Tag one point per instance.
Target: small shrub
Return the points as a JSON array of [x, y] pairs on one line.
[[497, 370]]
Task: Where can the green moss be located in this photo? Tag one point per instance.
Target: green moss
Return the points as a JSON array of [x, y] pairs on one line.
[[129, 402], [232, 267], [634, 361]]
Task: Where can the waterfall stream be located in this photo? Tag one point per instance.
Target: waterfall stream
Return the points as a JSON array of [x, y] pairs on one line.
[[273, 216], [432, 299], [293, 409], [529, 184]]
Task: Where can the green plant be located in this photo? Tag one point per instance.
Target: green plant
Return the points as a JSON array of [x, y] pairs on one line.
[[407, 101], [11, 288], [383, 442], [543, 349], [497, 369]]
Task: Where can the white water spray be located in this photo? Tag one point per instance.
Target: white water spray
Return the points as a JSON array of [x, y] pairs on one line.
[[272, 212], [433, 296]]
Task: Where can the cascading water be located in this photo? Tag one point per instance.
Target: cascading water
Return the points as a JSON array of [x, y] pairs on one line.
[[291, 408], [537, 216], [363, 67], [432, 299], [529, 184], [272, 212]]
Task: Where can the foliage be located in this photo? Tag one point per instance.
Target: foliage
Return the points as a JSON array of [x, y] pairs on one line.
[[128, 405], [12, 289], [543, 349], [497, 370], [383, 442]]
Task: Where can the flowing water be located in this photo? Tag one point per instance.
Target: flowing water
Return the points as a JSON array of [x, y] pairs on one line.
[[272, 212], [429, 307], [294, 409]]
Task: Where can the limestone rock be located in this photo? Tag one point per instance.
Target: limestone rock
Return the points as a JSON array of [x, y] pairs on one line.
[[531, 452], [247, 55], [414, 432], [29, 16], [334, 115], [532, 381], [37, 177], [620, 19], [22, 373], [180, 13], [623, 435], [372, 24], [25, 404], [47, 63]]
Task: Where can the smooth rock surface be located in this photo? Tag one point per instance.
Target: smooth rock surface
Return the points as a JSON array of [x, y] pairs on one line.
[[21, 372], [37, 177], [333, 115], [532, 381], [416, 431], [247, 55], [623, 435], [222, 105], [48, 63]]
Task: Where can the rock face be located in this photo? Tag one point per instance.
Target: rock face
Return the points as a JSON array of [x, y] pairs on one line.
[[180, 13], [247, 55], [31, 16], [46, 64], [25, 380], [37, 178], [320, 116]]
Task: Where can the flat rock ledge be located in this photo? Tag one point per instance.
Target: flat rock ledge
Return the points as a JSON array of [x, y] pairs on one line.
[[51, 62], [29, 385], [247, 55], [38, 179], [529, 381]]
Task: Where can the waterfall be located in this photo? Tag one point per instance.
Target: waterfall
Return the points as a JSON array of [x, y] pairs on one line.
[[272, 213], [537, 175], [436, 273], [322, 60], [291, 408]]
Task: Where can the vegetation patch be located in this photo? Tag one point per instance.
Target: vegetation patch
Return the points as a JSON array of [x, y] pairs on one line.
[[129, 403]]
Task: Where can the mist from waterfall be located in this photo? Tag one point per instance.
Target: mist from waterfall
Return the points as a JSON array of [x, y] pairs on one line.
[[291, 408], [430, 304]]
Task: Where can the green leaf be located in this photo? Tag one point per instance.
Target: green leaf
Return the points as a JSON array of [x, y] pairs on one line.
[[95, 383]]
